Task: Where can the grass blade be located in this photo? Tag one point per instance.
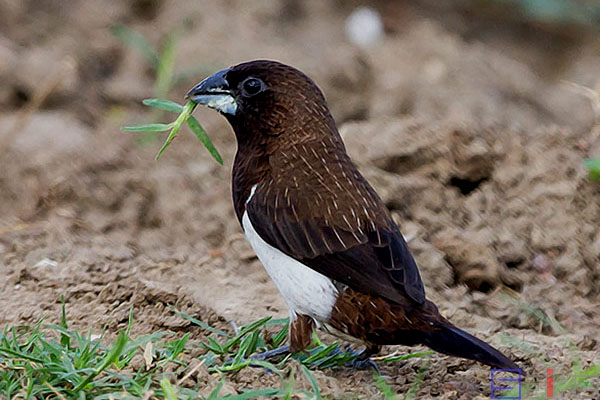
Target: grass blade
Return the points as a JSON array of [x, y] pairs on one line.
[[169, 391], [185, 114], [593, 165], [252, 394], [266, 365], [278, 321], [201, 324], [112, 356], [148, 128], [313, 381], [18, 354], [166, 63], [320, 353], [200, 133], [280, 336], [136, 41], [412, 393], [65, 339], [179, 346], [244, 348], [404, 356], [166, 105], [289, 387], [214, 346], [215, 392], [245, 330], [230, 368], [385, 389]]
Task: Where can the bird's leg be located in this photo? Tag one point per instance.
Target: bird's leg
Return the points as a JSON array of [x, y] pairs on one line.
[[301, 329], [369, 351], [363, 359]]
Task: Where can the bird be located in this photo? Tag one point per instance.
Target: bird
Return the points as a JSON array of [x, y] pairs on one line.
[[324, 236]]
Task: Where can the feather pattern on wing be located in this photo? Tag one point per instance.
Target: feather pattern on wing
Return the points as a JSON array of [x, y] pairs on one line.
[[319, 209]]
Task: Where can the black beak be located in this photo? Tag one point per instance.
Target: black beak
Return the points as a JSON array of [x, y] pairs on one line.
[[214, 92], [214, 84]]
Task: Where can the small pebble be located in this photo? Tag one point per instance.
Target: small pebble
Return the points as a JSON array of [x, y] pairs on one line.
[[364, 27], [541, 262]]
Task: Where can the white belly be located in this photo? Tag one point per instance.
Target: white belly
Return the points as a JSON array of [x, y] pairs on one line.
[[304, 290]]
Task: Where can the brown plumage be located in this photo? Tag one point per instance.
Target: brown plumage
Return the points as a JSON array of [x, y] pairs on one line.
[[301, 330], [305, 199]]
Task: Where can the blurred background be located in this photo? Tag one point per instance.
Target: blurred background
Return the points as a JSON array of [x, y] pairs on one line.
[[470, 117]]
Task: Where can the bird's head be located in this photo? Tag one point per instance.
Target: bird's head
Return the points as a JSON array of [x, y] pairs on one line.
[[264, 99]]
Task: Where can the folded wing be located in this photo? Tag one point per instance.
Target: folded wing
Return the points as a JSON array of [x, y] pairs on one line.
[[356, 243]]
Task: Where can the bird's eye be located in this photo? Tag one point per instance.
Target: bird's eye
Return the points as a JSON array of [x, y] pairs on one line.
[[252, 86]]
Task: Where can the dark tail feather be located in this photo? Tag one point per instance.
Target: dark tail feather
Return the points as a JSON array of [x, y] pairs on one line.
[[455, 342]]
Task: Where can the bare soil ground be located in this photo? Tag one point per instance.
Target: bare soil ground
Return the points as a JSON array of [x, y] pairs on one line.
[[468, 132]]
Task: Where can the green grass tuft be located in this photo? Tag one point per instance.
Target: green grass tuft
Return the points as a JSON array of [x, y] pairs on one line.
[[593, 166], [57, 361]]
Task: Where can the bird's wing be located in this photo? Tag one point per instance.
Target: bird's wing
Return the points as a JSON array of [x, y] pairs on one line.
[[346, 234]]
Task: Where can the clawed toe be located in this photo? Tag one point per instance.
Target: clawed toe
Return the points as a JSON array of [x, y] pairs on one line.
[[361, 359], [363, 363]]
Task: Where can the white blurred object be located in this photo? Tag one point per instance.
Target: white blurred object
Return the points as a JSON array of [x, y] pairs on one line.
[[364, 27]]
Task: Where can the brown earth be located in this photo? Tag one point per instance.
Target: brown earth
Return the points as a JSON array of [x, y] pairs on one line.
[[470, 135]]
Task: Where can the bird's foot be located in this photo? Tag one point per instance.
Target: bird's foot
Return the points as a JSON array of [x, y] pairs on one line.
[[270, 354], [363, 364], [362, 361]]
